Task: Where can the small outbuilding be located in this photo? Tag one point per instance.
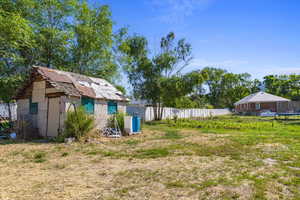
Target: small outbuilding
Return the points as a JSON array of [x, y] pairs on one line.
[[48, 94], [260, 101]]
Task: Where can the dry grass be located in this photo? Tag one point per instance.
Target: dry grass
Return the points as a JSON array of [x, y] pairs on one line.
[[161, 163]]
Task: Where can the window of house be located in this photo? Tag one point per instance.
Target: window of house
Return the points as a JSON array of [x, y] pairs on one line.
[[33, 107], [257, 106], [112, 107], [88, 104]]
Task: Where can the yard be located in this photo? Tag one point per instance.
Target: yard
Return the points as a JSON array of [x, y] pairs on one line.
[[223, 158]]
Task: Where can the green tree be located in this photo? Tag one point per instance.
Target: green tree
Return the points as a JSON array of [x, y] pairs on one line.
[[214, 85], [92, 48], [283, 85], [53, 34], [158, 78], [224, 88], [15, 37]]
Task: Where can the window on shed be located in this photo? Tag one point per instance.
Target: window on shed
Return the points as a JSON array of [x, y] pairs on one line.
[[112, 107], [33, 107], [88, 104]]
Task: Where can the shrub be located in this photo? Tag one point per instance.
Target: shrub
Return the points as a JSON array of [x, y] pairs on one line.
[[39, 157], [120, 120], [78, 123]]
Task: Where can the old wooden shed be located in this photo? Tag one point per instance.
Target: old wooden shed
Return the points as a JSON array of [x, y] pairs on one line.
[[48, 94]]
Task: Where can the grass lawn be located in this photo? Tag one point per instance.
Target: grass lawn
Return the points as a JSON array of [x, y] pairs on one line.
[[224, 158]]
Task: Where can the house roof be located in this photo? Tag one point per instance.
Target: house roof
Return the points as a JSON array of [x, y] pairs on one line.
[[261, 97], [78, 85]]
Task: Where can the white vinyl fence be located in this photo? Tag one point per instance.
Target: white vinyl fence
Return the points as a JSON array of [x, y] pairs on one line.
[[147, 113], [4, 110]]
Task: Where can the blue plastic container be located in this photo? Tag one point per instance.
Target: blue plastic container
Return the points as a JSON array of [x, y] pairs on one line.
[[136, 124]]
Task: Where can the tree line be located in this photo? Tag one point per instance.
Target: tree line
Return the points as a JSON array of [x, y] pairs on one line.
[[64, 34], [74, 36]]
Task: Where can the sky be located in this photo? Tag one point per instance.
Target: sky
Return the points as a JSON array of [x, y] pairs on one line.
[[259, 37]]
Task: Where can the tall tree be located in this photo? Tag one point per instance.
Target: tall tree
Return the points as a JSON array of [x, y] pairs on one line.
[[15, 37], [224, 88], [92, 50], [52, 23], [158, 79], [283, 85]]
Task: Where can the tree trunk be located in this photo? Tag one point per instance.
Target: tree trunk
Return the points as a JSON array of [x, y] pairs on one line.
[[155, 111], [161, 112]]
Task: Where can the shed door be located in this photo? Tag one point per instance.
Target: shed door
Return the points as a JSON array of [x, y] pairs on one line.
[[53, 117]]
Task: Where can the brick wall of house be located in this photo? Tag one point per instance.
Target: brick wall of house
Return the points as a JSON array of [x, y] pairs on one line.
[[251, 107]]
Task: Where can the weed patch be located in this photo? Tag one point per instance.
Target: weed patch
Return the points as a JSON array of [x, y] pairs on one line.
[[151, 153], [39, 157], [172, 135], [132, 142]]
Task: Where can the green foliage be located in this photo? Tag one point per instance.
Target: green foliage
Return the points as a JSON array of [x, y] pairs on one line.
[[92, 49], [287, 86], [119, 117], [224, 88], [39, 157], [158, 78], [222, 123], [16, 36], [64, 154], [152, 153], [121, 89], [66, 34], [78, 123], [172, 134], [4, 126]]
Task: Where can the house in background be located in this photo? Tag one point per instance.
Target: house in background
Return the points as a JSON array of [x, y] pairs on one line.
[[48, 94], [260, 101]]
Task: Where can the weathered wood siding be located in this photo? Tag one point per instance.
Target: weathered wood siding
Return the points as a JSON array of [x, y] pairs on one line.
[[100, 109]]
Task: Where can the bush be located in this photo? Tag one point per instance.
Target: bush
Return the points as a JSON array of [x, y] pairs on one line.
[[120, 120], [78, 124]]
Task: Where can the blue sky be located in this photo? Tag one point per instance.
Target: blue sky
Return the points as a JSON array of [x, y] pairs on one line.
[[256, 36]]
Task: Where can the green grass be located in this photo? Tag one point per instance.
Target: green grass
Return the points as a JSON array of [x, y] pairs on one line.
[[132, 142], [151, 153], [172, 134], [226, 157], [64, 154], [39, 157]]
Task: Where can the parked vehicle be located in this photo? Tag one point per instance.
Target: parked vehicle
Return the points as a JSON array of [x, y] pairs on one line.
[[268, 113]]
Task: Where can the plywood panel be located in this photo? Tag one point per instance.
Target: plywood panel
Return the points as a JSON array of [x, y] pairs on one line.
[[51, 90], [38, 92], [53, 117], [42, 117]]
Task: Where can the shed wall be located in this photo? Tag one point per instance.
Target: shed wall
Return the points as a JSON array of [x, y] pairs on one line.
[[100, 109], [101, 112]]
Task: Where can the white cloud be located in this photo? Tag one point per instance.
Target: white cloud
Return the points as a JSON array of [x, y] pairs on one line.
[[282, 70], [175, 11]]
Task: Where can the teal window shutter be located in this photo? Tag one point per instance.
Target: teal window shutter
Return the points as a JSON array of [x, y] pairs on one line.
[[33, 107], [88, 105], [112, 107]]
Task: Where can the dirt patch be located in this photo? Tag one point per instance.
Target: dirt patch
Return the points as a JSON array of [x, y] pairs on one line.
[[272, 147]]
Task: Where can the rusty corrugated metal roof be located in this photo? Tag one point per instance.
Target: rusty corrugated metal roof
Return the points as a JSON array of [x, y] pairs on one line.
[[80, 85]]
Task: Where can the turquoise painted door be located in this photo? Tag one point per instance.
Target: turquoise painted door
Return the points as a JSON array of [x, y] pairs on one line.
[[136, 124]]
